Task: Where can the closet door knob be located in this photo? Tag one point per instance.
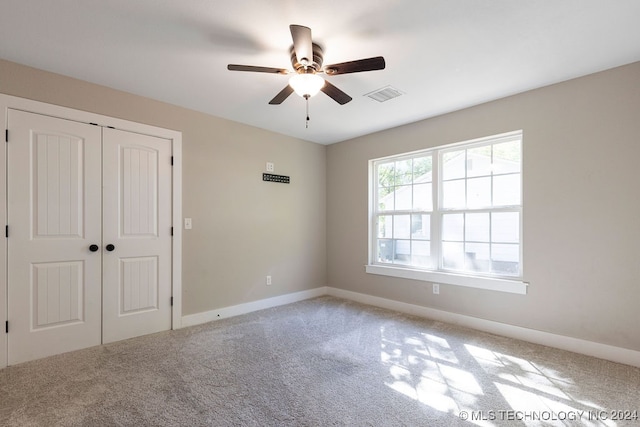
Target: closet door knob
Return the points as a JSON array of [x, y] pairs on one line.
[[110, 247], [94, 248]]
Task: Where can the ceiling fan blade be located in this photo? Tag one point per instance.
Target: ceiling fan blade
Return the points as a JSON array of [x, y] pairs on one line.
[[235, 67], [284, 94], [358, 66], [336, 94], [302, 44]]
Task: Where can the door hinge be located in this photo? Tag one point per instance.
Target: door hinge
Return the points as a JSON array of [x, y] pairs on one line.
[[6, 135], [6, 327], [172, 231], [171, 160], [6, 231], [171, 301]]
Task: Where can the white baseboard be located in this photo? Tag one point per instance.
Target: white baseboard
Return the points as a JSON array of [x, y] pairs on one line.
[[589, 348], [236, 310]]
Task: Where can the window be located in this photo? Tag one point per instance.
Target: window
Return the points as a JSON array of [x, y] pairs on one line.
[[451, 214]]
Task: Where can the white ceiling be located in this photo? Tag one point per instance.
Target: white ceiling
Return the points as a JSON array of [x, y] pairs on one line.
[[443, 54]]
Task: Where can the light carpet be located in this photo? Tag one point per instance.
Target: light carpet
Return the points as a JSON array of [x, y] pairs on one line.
[[320, 362]]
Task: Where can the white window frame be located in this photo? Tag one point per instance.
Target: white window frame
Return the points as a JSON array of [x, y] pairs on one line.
[[439, 274]]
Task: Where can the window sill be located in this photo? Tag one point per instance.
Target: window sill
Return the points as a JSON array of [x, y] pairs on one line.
[[513, 286]]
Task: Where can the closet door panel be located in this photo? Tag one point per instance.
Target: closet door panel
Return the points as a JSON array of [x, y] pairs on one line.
[[137, 222], [54, 215]]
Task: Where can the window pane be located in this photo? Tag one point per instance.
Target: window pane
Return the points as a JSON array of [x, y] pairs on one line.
[[479, 192], [453, 165], [477, 228], [385, 251], [453, 227], [453, 194], [403, 251], [386, 175], [421, 227], [403, 197], [453, 255], [402, 226], [385, 226], [479, 161], [477, 257], [505, 259], [385, 199], [506, 190], [422, 168], [422, 197], [404, 172], [505, 227], [506, 157], [421, 253], [505, 252]]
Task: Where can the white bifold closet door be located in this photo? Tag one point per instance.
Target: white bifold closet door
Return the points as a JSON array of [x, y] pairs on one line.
[[89, 247], [136, 194]]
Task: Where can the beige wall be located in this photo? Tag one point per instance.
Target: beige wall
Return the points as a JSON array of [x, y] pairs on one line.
[[581, 208], [243, 228]]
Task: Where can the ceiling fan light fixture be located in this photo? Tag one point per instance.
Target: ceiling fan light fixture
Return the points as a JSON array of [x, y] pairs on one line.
[[306, 84], [306, 59]]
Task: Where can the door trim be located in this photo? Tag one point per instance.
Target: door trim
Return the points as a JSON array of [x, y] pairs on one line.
[[8, 102]]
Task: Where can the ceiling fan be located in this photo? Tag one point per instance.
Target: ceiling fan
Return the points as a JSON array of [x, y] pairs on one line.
[[306, 59]]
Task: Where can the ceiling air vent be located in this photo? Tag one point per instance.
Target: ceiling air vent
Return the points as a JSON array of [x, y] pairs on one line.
[[384, 94]]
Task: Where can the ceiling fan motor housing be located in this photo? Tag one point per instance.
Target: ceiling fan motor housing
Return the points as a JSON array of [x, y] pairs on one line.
[[315, 64]]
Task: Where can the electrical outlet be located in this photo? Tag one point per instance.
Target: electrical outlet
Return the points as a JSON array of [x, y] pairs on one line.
[[436, 288], [270, 167], [268, 280]]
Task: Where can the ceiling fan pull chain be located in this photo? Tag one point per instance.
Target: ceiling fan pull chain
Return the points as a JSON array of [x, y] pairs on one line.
[[306, 97]]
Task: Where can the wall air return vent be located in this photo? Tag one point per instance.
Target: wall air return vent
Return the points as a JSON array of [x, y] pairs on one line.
[[384, 94]]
